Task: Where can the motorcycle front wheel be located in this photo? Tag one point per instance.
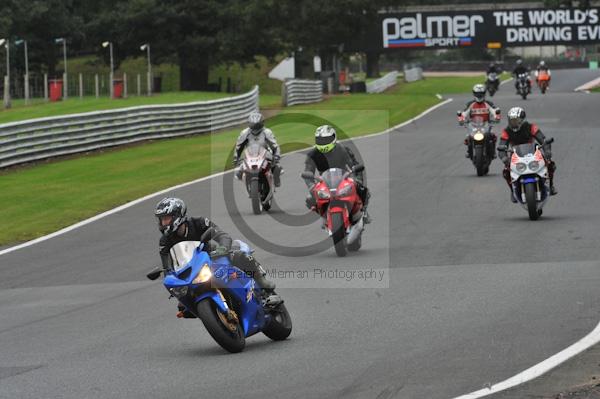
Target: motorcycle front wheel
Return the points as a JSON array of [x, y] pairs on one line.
[[255, 197], [339, 234], [479, 161], [530, 196], [228, 334]]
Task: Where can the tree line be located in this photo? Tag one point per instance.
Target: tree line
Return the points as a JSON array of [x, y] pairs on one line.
[[194, 34]]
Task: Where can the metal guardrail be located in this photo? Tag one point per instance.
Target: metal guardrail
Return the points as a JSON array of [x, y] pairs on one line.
[[413, 74], [48, 137], [296, 91], [384, 83]]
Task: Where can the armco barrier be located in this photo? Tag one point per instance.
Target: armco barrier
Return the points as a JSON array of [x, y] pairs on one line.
[[48, 137], [384, 83], [413, 74], [297, 91]]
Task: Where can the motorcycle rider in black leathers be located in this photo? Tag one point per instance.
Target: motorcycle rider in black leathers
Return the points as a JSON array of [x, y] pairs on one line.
[[519, 131], [520, 68], [328, 154], [493, 68], [176, 227], [256, 132]]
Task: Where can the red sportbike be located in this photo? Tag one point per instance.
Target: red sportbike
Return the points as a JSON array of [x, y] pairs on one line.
[[340, 206]]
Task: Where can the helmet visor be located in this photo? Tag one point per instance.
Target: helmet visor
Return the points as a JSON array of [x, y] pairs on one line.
[[164, 221], [324, 140], [515, 123]]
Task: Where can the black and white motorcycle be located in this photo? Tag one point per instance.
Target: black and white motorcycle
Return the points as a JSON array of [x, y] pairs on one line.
[[523, 85], [529, 177]]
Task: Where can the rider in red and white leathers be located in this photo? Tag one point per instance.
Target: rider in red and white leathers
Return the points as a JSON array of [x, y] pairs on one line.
[[479, 107]]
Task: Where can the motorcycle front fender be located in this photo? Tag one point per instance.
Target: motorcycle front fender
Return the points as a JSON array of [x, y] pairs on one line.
[[337, 209], [215, 297]]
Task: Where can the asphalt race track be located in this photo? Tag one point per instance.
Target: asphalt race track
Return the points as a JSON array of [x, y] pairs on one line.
[[471, 292]]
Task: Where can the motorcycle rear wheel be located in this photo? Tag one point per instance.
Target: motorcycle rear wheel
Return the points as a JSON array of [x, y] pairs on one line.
[[231, 341], [280, 326], [355, 246], [338, 234]]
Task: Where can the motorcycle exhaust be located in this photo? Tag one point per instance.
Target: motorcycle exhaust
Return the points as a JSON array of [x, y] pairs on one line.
[[355, 231]]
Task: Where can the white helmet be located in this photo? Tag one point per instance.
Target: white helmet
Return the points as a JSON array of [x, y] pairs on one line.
[[542, 63], [479, 92], [325, 138], [516, 117], [256, 122]]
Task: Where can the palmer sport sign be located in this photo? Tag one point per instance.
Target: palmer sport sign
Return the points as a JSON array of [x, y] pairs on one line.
[[499, 28]]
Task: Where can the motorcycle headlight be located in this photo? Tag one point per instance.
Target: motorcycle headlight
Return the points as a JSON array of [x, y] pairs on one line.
[[204, 275], [521, 167], [534, 165], [179, 292], [344, 190], [323, 194], [478, 136]]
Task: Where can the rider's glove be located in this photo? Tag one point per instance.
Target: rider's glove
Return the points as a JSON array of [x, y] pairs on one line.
[[219, 251]]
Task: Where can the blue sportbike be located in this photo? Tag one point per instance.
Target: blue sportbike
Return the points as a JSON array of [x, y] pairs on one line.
[[225, 298]]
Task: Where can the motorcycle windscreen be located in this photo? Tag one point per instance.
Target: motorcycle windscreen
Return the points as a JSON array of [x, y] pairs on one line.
[[182, 253], [478, 122], [254, 150], [333, 177], [524, 149]]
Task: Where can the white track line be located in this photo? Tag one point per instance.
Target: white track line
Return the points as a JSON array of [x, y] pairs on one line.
[[149, 196], [533, 372], [589, 85], [506, 81]]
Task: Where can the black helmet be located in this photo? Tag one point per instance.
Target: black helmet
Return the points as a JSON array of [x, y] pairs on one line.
[[479, 92], [516, 117], [256, 122], [173, 208]]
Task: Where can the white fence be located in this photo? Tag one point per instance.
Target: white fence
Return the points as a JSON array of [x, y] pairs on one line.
[[48, 137], [296, 91], [384, 83]]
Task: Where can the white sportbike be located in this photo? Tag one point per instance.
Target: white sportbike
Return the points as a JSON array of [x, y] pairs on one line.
[[529, 177]]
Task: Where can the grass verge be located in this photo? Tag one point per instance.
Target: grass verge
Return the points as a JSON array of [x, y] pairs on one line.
[[42, 198]]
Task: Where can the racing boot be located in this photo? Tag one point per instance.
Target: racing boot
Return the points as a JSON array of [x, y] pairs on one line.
[[366, 217], [277, 172]]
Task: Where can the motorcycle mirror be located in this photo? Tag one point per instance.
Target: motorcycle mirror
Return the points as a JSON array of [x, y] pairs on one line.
[[358, 168], [308, 175], [207, 235], [154, 274], [458, 113]]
